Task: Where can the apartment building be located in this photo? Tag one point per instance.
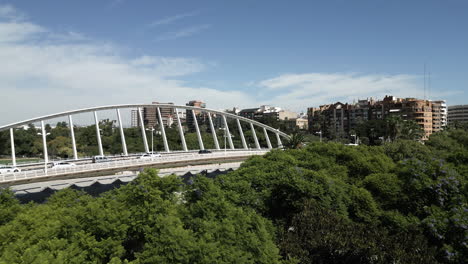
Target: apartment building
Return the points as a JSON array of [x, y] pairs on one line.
[[340, 119], [265, 112], [150, 116], [201, 116], [439, 115], [457, 113], [134, 118]]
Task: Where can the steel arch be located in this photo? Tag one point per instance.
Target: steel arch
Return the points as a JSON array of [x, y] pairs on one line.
[[123, 106]]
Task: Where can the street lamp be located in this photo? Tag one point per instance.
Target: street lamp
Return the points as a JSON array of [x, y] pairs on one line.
[[44, 142], [225, 137], [319, 133], [382, 140], [224, 129], [152, 142]]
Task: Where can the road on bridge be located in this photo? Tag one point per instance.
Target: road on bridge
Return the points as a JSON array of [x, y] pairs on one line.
[[135, 164]]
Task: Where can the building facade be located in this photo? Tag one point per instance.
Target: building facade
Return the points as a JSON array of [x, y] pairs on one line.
[[457, 113], [201, 116], [134, 122], [302, 123], [341, 119], [151, 118]]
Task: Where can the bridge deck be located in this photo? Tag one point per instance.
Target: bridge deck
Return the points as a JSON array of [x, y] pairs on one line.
[[105, 168]]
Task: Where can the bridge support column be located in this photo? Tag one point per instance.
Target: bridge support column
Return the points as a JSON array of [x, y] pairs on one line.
[[163, 132], [13, 154], [72, 135], [213, 132], [122, 135], [181, 132], [200, 140], [44, 144], [228, 134], [278, 139], [98, 134], [143, 133], [244, 144], [254, 134], [267, 138]]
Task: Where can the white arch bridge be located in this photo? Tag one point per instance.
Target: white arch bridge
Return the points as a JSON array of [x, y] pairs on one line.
[[128, 161]]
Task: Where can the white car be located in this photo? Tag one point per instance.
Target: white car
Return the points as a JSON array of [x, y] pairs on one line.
[[8, 169], [63, 165], [150, 156]]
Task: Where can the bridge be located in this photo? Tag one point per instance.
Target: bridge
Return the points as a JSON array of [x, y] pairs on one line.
[[129, 161]]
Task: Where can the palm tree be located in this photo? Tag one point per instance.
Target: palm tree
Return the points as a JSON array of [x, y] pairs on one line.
[[394, 127], [411, 130], [295, 141]]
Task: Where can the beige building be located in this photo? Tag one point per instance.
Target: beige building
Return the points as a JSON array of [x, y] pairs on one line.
[[287, 115], [302, 123], [340, 119]]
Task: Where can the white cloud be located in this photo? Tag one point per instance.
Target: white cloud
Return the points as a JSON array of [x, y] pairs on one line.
[[169, 66], [40, 75], [11, 13], [299, 91], [44, 72], [172, 19], [19, 31], [189, 31]]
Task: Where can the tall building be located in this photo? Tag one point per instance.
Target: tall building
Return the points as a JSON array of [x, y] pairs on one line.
[[419, 111], [168, 114], [150, 116], [134, 118], [151, 119], [339, 120], [439, 115], [457, 113], [201, 116]]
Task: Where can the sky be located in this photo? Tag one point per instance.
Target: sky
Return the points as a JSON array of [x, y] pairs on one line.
[[64, 55]]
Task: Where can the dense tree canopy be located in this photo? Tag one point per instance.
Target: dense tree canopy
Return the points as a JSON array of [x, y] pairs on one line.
[[400, 202]]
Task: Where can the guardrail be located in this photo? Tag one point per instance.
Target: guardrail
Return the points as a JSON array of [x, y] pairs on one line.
[[121, 164], [130, 155]]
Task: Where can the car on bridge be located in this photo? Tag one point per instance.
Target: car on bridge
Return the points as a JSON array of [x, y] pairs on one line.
[[8, 169], [204, 151], [150, 155], [62, 165], [98, 159]]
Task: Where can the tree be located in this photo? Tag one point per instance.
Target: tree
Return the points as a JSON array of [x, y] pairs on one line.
[[295, 141]]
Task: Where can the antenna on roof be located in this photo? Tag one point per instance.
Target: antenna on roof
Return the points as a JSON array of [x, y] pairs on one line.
[[429, 85], [424, 81]]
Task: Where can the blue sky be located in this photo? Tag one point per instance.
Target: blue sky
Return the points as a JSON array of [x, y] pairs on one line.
[[59, 55]]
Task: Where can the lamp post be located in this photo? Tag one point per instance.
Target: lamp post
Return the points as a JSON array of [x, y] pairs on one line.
[[152, 141], [224, 129], [225, 138], [382, 140], [44, 142], [320, 133]]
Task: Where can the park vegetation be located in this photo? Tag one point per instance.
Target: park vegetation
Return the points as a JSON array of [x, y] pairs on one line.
[[400, 202]]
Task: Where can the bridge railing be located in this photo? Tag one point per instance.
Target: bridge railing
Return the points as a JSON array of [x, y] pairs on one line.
[[122, 164]]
